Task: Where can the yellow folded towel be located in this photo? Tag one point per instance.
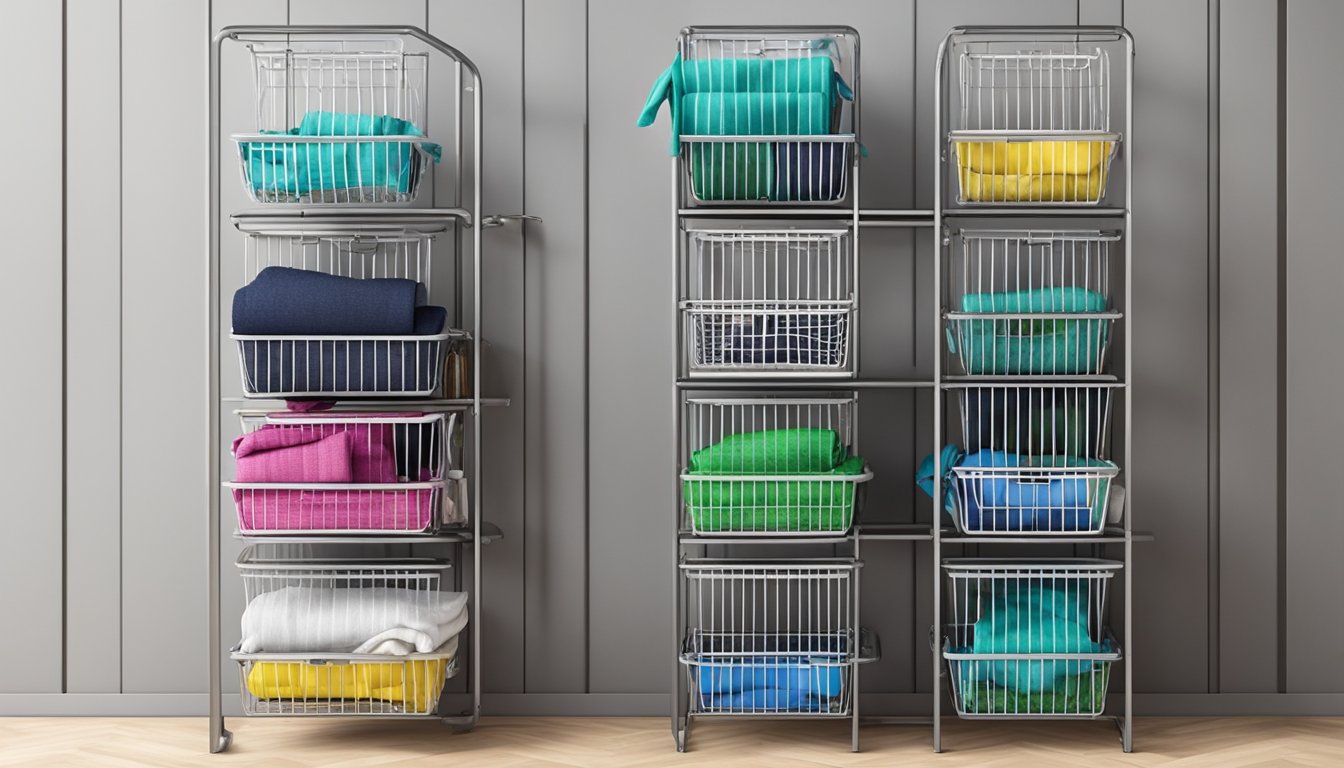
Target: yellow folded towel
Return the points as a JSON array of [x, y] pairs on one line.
[[1036, 158], [1056, 188], [415, 683]]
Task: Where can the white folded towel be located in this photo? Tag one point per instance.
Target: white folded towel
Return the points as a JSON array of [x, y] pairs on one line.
[[379, 620]]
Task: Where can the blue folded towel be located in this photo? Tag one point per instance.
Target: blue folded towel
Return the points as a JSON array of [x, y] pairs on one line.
[[779, 674], [290, 302]]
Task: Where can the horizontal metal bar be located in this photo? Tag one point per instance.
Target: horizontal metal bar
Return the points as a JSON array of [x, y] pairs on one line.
[[735, 32], [895, 532], [801, 138], [354, 219], [687, 538], [489, 533], [362, 406], [1014, 136], [957, 382], [1107, 536], [1025, 211], [761, 383]]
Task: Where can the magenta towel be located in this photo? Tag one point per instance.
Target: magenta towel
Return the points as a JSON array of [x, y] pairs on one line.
[[317, 453], [292, 455]]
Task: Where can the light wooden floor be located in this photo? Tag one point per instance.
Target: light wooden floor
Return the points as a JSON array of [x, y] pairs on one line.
[[594, 742]]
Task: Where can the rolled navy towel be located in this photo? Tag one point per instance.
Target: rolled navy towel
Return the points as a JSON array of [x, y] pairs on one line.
[[282, 301]]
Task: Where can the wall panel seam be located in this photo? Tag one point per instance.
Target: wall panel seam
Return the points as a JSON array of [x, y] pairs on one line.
[[1214, 266], [1281, 98], [65, 347]]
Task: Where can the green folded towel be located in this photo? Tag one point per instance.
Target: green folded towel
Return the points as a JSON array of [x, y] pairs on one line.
[[772, 451], [824, 501], [732, 171], [1077, 694]]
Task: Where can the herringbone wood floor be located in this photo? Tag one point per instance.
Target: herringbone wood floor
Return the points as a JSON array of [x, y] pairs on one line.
[[504, 742]]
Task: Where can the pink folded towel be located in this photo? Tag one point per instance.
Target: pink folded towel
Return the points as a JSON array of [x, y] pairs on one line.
[[292, 455], [317, 453]]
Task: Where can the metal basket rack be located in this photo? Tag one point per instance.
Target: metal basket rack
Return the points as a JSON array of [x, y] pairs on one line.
[[339, 117], [769, 115], [770, 301], [766, 295], [1034, 378]]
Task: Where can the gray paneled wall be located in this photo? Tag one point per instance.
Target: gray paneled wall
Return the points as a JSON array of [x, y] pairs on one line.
[[1236, 275]]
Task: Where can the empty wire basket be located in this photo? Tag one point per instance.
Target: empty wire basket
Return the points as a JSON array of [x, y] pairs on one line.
[[371, 253], [1031, 119], [771, 637], [766, 118], [1036, 460], [1027, 302], [770, 301], [771, 466], [338, 121], [305, 615], [1028, 639], [332, 472]]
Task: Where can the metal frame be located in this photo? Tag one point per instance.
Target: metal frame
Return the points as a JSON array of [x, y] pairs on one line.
[[465, 78], [1122, 538], [687, 215]]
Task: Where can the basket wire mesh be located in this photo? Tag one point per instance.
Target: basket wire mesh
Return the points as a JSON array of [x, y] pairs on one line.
[[770, 301], [1033, 124], [772, 466], [767, 119], [770, 638], [362, 473], [1028, 639], [1030, 302]]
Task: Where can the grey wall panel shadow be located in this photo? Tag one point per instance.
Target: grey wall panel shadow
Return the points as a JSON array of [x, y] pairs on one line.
[[556, 539], [30, 308], [93, 349], [1169, 480], [1314, 355], [1248, 375], [163, 195]]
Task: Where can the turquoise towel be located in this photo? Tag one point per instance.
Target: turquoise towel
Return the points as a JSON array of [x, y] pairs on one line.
[[298, 169], [949, 457], [1032, 617], [711, 80], [1047, 346]]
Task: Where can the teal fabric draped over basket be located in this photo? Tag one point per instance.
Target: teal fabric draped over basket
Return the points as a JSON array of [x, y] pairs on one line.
[[1025, 346], [1029, 619], [298, 169], [744, 97]]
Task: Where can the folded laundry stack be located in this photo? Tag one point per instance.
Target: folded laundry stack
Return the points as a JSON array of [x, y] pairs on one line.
[[304, 170], [335, 452], [1058, 346], [786, 673], [1033, 171], [382, 621], [327, 310], [809, 482]]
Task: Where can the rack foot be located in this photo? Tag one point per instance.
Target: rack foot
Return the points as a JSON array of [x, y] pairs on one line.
[[1126, 733], [222, 743], [680, 732], [461, 723]]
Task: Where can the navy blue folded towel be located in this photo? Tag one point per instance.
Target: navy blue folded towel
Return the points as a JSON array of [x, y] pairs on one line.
[[282, 301]]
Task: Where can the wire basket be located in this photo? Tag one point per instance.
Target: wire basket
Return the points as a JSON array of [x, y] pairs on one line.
[[397, 253], [770, 638], [342, 366], [777, 302], [1028, 302], [341, 472], [1031, 122], [1036, 460], [338, 121], [1028, 639], [305, 615], [289, 684], [767, 119], [771, 466]]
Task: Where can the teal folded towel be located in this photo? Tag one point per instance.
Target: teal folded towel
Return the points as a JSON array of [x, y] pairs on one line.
[[295, 168], [703, 96], [1031, 617], [1038, 300]]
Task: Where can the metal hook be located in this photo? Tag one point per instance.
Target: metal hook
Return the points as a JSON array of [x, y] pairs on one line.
[[499, 219]]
